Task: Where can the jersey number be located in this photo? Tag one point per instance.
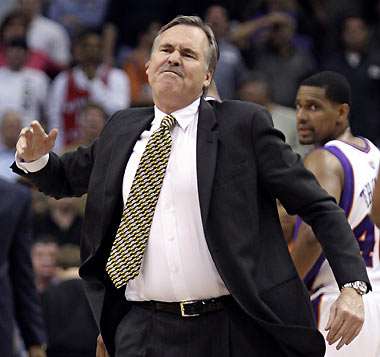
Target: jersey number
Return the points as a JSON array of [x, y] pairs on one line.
[[365, 234]]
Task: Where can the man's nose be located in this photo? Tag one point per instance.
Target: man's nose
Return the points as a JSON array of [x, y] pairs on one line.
[[174, 58], [301, 115]]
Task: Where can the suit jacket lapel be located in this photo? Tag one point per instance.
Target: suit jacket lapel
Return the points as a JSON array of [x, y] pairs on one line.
[[207, 144]]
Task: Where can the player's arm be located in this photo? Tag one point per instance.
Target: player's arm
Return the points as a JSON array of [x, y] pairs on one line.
[[329, 172], [375, 210], [347, 313]]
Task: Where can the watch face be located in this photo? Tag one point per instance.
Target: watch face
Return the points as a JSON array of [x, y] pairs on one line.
[[362, 286]]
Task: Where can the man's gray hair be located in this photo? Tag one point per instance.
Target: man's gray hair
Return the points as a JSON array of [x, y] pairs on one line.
[[212, 54]]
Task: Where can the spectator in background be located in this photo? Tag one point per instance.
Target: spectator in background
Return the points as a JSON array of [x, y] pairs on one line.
[[89, 81], [15, 25], [92, 122], [361, 66], [328, 14], [45, 34], [230, 68], [70, 325], [134, 66], [78, 15], [19, 301], [44, 254], [284, 64], [22, 89], [255, 88], [10, 126], [62, 220]]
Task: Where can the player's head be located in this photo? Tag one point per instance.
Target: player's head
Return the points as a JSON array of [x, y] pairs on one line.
[[322, 107]]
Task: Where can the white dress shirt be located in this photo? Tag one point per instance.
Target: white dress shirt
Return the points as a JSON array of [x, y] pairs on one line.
[[177, 265]]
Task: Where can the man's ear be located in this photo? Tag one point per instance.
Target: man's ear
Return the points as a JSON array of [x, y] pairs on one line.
[[208, 78], [147, 67], [344, 111]]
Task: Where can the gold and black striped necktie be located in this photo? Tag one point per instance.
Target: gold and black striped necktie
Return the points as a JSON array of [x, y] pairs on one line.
[[132, 235]]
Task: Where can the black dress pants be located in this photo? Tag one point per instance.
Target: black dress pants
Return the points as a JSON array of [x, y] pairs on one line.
[[224, 333]]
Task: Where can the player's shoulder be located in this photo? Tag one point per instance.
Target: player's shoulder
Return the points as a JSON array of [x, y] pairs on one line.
[[322, 157]]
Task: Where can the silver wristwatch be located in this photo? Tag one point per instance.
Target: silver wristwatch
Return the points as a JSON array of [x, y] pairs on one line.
[[360, 286]]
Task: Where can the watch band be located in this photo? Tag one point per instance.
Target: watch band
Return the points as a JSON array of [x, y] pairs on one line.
[[360, 287]]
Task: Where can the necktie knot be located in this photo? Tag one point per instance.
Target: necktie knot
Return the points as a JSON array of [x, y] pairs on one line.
[[168, 122]]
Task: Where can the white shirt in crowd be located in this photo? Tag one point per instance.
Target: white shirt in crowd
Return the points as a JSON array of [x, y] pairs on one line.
[[51, 38], [24, 91]]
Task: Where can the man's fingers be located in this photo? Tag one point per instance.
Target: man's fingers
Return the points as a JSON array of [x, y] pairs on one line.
[[36, 126], [23, 131], [28, 134], [355, 326], [336, 324], [332, 317], [346, 334], [52, 137]]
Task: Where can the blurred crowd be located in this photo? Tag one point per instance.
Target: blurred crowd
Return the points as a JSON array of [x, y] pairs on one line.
[[72, 63]]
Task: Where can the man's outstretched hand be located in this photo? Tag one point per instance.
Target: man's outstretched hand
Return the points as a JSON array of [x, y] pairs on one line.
[[346, 318], [34, 143]]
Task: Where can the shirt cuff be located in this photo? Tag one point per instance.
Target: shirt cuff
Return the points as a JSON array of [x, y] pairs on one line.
[[32, 166]]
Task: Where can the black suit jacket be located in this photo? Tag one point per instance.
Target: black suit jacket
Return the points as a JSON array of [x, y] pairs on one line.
[[243, 164], [19, 300]]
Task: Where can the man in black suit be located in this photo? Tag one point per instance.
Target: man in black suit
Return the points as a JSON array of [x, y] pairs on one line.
[[216, 277], [19, 300]]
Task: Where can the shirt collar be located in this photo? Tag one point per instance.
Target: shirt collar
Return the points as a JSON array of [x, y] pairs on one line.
[[183, 116]]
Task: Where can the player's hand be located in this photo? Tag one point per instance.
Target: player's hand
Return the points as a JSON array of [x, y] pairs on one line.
[[100, 347], [346, 318], [34, 142]]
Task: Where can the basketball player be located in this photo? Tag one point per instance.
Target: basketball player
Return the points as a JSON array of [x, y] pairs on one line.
[[346, 167]]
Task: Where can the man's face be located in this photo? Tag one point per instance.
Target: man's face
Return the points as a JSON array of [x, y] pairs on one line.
[[10, 129], [282, 32], [43, 258], [355, 34], [316, 115], [16, 57], [91, 49], [93, 123], [177, 70], [217, 18]]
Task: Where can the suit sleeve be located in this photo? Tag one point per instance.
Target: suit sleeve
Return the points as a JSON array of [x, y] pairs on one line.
[[64, 176], [283, 173], [27, 306]]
